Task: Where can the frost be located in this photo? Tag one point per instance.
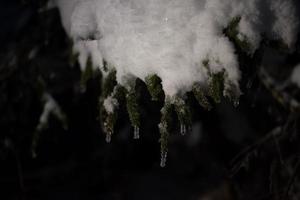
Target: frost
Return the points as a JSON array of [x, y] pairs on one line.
[[295, 77], [172, 38]]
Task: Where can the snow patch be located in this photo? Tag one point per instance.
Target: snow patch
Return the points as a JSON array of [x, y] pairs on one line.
[[172, 38]]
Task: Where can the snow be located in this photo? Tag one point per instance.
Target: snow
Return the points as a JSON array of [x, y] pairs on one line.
[[295, 78], [172, 38], [50, 107], [86, 49], [110, 104]]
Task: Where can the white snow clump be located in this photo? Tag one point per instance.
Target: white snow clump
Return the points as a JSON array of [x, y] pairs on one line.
[[173, 38], [110, 104]]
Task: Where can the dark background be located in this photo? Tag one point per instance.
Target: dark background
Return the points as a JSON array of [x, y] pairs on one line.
[[77, 163]]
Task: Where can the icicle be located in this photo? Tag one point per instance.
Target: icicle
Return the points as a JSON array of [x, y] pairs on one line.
[[182, 129], [108, 137], [108, 125], [136, 133], [183, 114], [163, 158]]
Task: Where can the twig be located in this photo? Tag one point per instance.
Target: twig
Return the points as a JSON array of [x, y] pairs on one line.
[[292, 179], [277, 91], [244, 155]]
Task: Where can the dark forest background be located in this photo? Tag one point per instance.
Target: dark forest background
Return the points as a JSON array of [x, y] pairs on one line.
[[249, 152]]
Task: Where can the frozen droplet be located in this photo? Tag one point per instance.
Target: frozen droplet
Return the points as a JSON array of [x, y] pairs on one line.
[[182, 129], [136, 133], [163, 159], [108, 137]]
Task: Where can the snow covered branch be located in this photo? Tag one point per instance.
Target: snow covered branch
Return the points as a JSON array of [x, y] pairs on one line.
[[174, 46]]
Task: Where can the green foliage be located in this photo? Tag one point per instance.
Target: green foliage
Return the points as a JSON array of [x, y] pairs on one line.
[[109, 124], [108, 120], [87, 74], [200, 96], [164, 129], [111, 118], [154, 86], [183, 114], [119, 93], [133, 108], [216, 86], [153, 82], [232, 33], [109, 84], [110, 87]]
